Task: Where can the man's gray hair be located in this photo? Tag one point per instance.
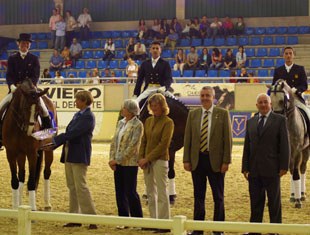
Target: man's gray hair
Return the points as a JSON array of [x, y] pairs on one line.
[[209, 88], [263, 94], [132, 106]]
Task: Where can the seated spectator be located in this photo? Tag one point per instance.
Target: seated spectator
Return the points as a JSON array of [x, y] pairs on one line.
[[233, 75], [46, 74], [215, 28], [142, 29], [204, 60], [66, 56], [94, 77], [75, 51], [56, 61], [176, 26], [194, 28], [229, 60], [204, 27], [228, 27], [113, 78], [191, 59], [161, 37], [130, 48], [132, 70], [217, 59], [139, 51], [239, 26], [72, 78], [60, 34], [58, 78], [165, 26], [109, 51], [180, 60], [154, 31], [252, 79], [240, 57], [185, 31], [243, 74], [171, 39]]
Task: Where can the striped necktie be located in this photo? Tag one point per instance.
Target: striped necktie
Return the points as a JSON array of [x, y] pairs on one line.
[[204, 133]]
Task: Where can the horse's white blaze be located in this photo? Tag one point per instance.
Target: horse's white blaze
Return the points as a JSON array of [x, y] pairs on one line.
[[31, 119]]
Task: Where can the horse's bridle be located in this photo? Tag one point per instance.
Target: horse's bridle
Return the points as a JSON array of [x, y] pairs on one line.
[[286, 110]]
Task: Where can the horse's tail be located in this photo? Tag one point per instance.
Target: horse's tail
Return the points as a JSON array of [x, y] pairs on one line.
[[38, 167]]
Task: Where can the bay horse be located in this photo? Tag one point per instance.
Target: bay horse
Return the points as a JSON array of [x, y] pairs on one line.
[[284, 101], [18, 125], [178, 113]]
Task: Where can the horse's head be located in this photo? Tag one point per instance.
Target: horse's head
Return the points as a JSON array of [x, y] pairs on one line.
[[281, 95], [30, 92]]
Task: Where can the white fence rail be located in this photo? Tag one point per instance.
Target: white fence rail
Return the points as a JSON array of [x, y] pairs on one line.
[[179, 224]]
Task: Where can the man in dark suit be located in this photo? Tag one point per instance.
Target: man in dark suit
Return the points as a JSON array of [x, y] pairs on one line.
[[265, 159], [154, 72], [207, 153]]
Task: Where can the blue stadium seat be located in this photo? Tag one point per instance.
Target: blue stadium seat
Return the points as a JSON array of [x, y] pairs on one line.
[[219, 42], [176, 73], [116, 34], [291, 40], [207, 42], [274, 51], [125, 34], [171, 63], [271, 72], [188, 73], [268, 63], [97, 34], [224, 73], [98, 54], [249, 31], [118, 43], [102, 64], [255, 41], [196, 42], [91, 64], [262, 73], [36, 53], [268, 40], [80, 64], [279, 62], [52, 73], [87, 54], [292, 30], [166, 53], [138, 62], [12, 46], [33, 45], [184, 42], [243, 41], [212, 73], [74, 73], [280, 40], [200, 73], [106, 34], [42, 45], [85, 44], [118, 73], [260, 30], [250, 52], [256, 63], [82, 74], [271, 30], [4, 56], [235, 50], [96, 44], [114, 64], [120, 54], [281, 30], [261, 52], [303, 29], [231, 41], [41, 36], [133, 33], [123, 64]]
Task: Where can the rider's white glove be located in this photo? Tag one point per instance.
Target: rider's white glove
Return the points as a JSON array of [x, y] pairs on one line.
[[12, 88], [294, 90]]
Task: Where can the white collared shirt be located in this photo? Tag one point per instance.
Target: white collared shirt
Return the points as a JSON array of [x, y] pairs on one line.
[[154, 61], [266, 117], [210, 111], [288, 68]]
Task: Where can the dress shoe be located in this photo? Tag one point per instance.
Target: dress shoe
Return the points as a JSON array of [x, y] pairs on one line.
[[122, 227], [217, 233], [149, 229], [195, 233], [162, 231], [71, 225], [92, 226]]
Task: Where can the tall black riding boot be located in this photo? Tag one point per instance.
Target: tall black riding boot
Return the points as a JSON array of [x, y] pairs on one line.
[[46, 122]]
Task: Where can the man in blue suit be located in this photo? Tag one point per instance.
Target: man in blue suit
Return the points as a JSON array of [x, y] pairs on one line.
[[76, 155]]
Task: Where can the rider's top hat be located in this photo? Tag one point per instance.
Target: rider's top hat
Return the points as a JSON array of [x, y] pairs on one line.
[[24, 37]]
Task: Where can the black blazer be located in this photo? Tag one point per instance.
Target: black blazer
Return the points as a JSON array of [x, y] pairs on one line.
[[295, 78], [269, 153], [161, 74]]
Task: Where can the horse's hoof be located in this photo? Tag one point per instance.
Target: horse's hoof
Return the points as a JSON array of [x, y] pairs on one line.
[[47, 208], [144, 196], [298, 203], [303, 197], [292, 199], [172, 199]]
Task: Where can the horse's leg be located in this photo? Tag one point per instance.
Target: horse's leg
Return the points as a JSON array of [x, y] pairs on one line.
[[171, 176], [292, 197], [296, 180], [303, 169], [14, 179], [48, 158], [32, 162], [21, 160]]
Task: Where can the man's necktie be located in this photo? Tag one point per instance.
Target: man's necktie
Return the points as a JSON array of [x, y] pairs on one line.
[[204, 133], [260, 125]]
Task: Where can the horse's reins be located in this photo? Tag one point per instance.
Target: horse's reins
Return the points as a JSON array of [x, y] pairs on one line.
[[286, 110]]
